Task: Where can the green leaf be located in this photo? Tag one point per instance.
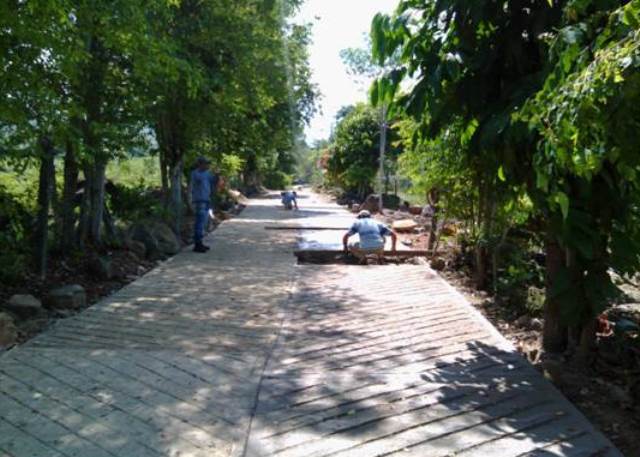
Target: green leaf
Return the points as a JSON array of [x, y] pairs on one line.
[[501, 174], [562, 200]]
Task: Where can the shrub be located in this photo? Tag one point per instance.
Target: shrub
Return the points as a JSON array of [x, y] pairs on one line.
[[14, 228], [276, 179]]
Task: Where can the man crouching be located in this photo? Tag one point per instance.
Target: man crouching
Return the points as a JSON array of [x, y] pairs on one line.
[[372, 237]]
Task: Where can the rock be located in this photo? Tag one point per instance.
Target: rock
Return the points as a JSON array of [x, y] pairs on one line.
[[438, 264], [237, 196], [141, 270], [448, 230], [101, 268], [417, 261], [168, 242], [553, 370], [156, 255], [415, 210], [142, 232], [536, 324], [138, 248], [404, 225], [168, 247], [8, 331], [371, 204], [391, 201], [620, 395], [67, 297], [24, 305], [523, 321]]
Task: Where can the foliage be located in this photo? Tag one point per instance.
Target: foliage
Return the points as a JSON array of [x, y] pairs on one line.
[[544, 97], [355, 151], [141, 172], [588, 114], [277, 179], [95, 82], [14, 227]]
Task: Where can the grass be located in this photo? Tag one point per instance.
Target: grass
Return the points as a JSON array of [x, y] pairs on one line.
[[21, 184], [135, 172], [132, 172]]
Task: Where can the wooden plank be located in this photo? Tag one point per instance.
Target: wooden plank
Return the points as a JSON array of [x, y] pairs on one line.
[[302, 227], [335, 252]]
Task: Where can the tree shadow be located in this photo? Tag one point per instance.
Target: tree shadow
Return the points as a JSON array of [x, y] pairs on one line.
[[365, 361], [169, 365], [387, 360]]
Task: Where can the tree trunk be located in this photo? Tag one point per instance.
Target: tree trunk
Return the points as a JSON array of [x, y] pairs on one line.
[[250, 175], [176, 195], [164, 176], [96, 199], [85, 207], [45, 195], [109, 226], [68, 200], [481, 270], [555, 332]]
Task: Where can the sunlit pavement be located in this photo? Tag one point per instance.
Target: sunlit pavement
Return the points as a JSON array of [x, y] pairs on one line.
[[242, 352]]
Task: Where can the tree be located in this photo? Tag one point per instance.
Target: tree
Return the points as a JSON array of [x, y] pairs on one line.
[[586, 162], [354, 160], [95, 80], [35, 106], [479, 63], [361, 65], [473, 65]]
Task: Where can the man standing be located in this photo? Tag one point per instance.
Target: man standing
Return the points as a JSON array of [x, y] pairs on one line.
[[203, 185], [372, 237]]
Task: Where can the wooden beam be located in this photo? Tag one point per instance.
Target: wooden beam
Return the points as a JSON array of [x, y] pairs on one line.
[[294, 227], [334, 252]]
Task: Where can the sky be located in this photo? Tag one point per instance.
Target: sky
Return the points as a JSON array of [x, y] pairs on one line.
[[337, 24]]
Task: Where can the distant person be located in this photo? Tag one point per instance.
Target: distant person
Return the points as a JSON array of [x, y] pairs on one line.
[[372, 237], [289, 200], [203, 186]]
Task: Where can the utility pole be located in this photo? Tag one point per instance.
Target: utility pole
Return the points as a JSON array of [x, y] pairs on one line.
[[383, 147]]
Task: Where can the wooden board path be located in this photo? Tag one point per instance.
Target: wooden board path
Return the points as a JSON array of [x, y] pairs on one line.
[[242, 352]]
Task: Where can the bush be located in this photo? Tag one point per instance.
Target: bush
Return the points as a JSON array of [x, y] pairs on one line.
[[135, 203], [14, 227], [276, 179]]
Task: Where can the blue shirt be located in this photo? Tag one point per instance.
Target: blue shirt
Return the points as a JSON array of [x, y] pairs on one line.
[[203, 184], [371, 233], [288, 197]]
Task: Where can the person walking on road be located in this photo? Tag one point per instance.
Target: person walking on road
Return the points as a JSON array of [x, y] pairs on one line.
[[203, 186], [372, 237]]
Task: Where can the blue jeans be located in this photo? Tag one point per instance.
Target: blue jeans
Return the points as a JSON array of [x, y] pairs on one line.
[[202, 213]]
